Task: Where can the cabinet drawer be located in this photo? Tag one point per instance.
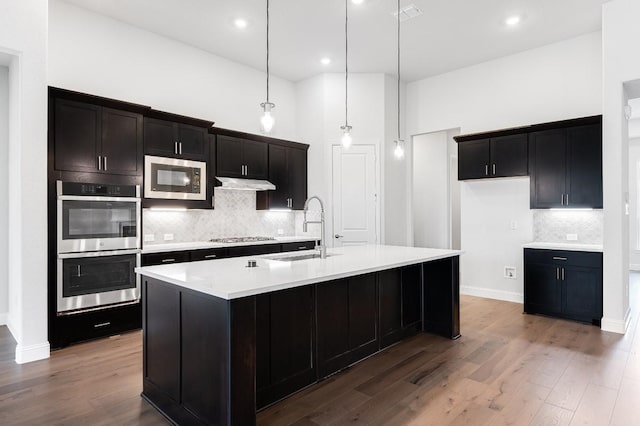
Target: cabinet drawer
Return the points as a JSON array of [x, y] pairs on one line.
[[165, 258], [303, 245], [209, 254], [253, 250], [563, 257]]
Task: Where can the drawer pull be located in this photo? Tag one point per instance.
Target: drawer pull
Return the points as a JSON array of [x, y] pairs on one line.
[[302, 248], [210, 256], [559, 258], [102, 324], [168, 260], [557, 274]]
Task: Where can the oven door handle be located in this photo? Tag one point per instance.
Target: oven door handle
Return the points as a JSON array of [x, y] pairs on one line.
[[97, 253], [94, 198]]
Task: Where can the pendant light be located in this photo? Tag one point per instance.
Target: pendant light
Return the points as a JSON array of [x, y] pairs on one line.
[[346, 129], [267, 121], [399, 143]]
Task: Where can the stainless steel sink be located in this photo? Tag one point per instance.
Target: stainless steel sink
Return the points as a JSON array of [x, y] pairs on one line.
[[295, 257]]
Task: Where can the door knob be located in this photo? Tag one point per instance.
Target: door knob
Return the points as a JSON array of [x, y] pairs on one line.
[[338, 236]]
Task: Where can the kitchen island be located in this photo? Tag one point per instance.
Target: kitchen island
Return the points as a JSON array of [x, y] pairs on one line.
[[222, 340]]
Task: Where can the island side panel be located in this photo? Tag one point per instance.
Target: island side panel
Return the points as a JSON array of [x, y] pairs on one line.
[[441, 297], [213, 341]]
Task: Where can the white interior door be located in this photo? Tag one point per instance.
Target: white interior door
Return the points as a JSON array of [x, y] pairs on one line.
[[354, 195]]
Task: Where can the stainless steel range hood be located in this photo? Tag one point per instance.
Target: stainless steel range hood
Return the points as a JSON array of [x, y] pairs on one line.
[[245, 184]]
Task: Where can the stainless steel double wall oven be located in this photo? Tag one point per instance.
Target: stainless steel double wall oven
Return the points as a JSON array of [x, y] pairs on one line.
[[98, 246]]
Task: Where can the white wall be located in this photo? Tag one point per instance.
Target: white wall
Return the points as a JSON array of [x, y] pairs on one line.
[[431, 217], [555, 82], [23, 36], [620, 38], [321, 111], [634, 213], [4, 193], [94, 54]]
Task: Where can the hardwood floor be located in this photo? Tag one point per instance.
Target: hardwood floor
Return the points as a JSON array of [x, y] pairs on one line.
[[507, 368]]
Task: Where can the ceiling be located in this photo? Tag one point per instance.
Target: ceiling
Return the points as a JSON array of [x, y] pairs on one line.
[[451, 34]]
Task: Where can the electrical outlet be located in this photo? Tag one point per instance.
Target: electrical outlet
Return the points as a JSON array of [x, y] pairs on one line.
[[513, 224], [572, 237], [168, 237], [510, 272], [149, 237]]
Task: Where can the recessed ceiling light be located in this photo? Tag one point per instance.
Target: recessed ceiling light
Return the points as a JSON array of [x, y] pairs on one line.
[[325, 61], [240, 23], [512, 20], [357, 1]]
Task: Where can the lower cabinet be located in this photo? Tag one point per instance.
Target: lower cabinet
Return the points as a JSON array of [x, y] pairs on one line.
[[285, 360], [399, 305], [566, 284], [346, 313]]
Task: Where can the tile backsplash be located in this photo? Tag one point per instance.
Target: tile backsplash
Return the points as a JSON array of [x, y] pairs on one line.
[[235, 215], [552, 226]]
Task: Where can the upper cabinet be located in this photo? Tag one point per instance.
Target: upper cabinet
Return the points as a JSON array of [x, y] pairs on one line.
[[288, 172], [241, 157], [173, 139], [90, 137], [500, 156], [566, 167]]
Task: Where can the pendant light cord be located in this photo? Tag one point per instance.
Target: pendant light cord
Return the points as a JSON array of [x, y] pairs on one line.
[[346, 63], [267, 51], [398, 71]]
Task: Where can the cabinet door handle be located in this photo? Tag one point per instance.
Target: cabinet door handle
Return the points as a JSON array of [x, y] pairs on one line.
[[494, 168], [562, 199], [567, 199], [559, 258], [210, 256], [246, 170], [102, 324], [180, 148], [557, 274], [175, 147], [562, 274], [486, 170], [99, 162], [79, 272], [168, 260], [105, 163]]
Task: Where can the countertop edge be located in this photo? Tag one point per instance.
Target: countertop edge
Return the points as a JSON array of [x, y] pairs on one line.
[[597, 248], [204, 245]]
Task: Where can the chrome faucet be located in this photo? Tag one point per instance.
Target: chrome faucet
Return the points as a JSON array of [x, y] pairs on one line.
[[322, 247]]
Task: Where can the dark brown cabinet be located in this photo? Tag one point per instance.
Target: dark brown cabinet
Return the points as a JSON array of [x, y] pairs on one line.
[[170, 139], [285, 350], [566, 167], [566, 284], [399, 303], [347, 322], [288, 172], [96, 139], [499, 156], [441, 297], [242, 158]]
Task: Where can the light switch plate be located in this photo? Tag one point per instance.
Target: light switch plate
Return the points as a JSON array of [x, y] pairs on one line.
[[168, 237], [513, 224], [149, 237], [572, 237]]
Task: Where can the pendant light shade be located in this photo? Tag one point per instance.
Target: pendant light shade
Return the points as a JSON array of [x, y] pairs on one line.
[[398, 151], [346, 139], [267, 120]]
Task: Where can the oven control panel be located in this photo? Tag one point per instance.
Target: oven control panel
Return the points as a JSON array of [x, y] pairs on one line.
[[96, 189]]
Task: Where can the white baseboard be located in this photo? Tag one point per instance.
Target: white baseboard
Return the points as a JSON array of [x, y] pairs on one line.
[[615, 325], [3, 318], [487, 293], [32, 353]]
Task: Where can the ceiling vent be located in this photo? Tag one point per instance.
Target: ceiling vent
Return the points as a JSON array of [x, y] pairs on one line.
[[407, 12]]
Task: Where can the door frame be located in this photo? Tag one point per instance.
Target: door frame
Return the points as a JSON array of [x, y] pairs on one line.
[[378, 190]]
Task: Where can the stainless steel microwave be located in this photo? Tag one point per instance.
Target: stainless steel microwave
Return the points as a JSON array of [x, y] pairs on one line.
[[174, 178]]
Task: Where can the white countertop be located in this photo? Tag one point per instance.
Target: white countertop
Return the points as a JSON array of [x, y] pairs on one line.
[[231, 279], [195, 245], [564, 246]]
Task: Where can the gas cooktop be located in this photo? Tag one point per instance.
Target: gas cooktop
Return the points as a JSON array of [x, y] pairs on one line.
[[231, 240]]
